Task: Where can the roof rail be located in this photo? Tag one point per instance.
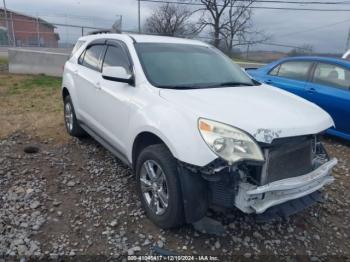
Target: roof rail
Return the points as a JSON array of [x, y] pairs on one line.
[[105, 31]]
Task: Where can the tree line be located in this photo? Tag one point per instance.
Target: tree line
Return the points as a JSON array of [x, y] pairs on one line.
[[228, 23]]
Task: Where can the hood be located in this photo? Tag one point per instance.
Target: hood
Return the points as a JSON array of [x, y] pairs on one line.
[[263, 111]]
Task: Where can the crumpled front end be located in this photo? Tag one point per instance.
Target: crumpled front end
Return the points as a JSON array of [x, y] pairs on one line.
[[288, 181], [257, 199]]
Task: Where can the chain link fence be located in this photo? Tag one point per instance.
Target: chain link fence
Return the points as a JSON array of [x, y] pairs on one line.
[[22, 30]]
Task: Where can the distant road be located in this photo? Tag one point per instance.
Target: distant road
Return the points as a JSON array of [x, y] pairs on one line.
[[249, 64], [4, 50]]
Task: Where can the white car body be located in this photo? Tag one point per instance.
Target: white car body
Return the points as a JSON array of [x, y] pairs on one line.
[[346, 55], [119, 113]]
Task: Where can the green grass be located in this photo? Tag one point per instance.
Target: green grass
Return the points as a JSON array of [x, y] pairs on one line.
[[3, 61], [47, 84], [31, 103]]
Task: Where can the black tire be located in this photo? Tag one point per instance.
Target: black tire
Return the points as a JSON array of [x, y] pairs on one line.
[[174, 213], [73, 128]]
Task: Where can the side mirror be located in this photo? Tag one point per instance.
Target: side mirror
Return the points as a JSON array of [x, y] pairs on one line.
[[118, 74]]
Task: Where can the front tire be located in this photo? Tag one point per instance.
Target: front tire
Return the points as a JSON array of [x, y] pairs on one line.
[[70, 119], [159, 186]]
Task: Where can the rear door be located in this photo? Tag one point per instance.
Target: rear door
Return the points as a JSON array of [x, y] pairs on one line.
[[290, 76], [88, 78], [330, 89]]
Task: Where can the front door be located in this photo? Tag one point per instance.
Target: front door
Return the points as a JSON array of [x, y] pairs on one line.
[[115, 98], [290, 76]]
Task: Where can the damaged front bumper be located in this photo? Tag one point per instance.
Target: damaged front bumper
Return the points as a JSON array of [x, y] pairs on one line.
[[257, 199]]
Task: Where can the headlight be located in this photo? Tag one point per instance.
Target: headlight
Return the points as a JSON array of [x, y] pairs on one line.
[[229, 143]]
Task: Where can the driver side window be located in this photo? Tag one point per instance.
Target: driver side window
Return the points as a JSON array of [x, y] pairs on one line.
[[116, 56], [295, 70]]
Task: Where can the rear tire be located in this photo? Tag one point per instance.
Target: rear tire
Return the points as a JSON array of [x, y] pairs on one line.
[[161, 196], [70, 119]]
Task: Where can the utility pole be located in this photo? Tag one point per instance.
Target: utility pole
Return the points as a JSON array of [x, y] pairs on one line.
[[348, 42], [139, 14], [7, 24], [121, 23]]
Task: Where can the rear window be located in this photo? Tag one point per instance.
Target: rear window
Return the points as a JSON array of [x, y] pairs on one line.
[[77, 46], [332, 75]]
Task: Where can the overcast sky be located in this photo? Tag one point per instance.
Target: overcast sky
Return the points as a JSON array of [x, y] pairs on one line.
[[326, 31]]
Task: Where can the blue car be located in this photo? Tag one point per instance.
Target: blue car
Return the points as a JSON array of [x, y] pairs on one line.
[[321, 80]]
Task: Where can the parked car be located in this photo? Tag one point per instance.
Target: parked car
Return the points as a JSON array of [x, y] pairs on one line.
[[321, 80], [195, 128]]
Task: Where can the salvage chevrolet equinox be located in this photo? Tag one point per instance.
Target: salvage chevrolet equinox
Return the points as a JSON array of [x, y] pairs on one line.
[[197, 131]]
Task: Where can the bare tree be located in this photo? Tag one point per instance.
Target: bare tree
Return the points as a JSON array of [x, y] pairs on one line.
[[172, 20], [239, 29], [216, 10], [231, 20]]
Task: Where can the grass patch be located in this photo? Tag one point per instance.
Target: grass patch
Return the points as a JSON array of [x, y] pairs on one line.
[[31, 103], [46, 84], [3, 61]]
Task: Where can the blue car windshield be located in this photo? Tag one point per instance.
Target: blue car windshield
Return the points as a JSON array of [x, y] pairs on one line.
[[189, 66]]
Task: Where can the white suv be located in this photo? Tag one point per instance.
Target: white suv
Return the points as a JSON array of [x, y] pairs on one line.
[[195, 128]]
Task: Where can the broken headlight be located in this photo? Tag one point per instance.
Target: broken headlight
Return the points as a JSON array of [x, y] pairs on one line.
[[229, 143]]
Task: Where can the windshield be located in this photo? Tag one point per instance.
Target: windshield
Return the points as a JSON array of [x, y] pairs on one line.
[[188, 66]]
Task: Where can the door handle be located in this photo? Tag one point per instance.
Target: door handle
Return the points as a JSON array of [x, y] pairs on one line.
[[268, 81], [311, 90]]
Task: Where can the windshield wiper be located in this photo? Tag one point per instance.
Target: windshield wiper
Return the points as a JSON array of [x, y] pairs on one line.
[[234, 84], [179, 87], [223, 84]]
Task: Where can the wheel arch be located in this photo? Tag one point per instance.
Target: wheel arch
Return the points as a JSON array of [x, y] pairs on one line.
[[65, 92], [143, 140]]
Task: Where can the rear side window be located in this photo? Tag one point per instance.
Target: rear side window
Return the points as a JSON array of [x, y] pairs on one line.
[[332, 75], [91, 57], [116, 56], [296, 70], [77, 46]]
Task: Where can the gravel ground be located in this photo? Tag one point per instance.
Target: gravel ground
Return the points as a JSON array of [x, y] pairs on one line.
[[75, 199]]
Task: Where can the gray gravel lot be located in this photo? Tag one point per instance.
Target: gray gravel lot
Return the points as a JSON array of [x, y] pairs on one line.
[[75, 198]]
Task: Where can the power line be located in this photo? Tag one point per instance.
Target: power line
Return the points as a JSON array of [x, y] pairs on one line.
[[292, 2], [315, 28], [253, 7]]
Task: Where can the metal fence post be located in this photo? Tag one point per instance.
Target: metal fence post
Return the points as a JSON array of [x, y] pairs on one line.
[[13, 31], [38, 29], [139, 15], [7, 24]]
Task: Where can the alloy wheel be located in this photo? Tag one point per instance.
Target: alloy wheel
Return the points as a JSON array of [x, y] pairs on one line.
[[68, 116], [154, 187]]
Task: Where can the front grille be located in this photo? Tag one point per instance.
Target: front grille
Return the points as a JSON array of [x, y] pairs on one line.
[[287, 158]]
